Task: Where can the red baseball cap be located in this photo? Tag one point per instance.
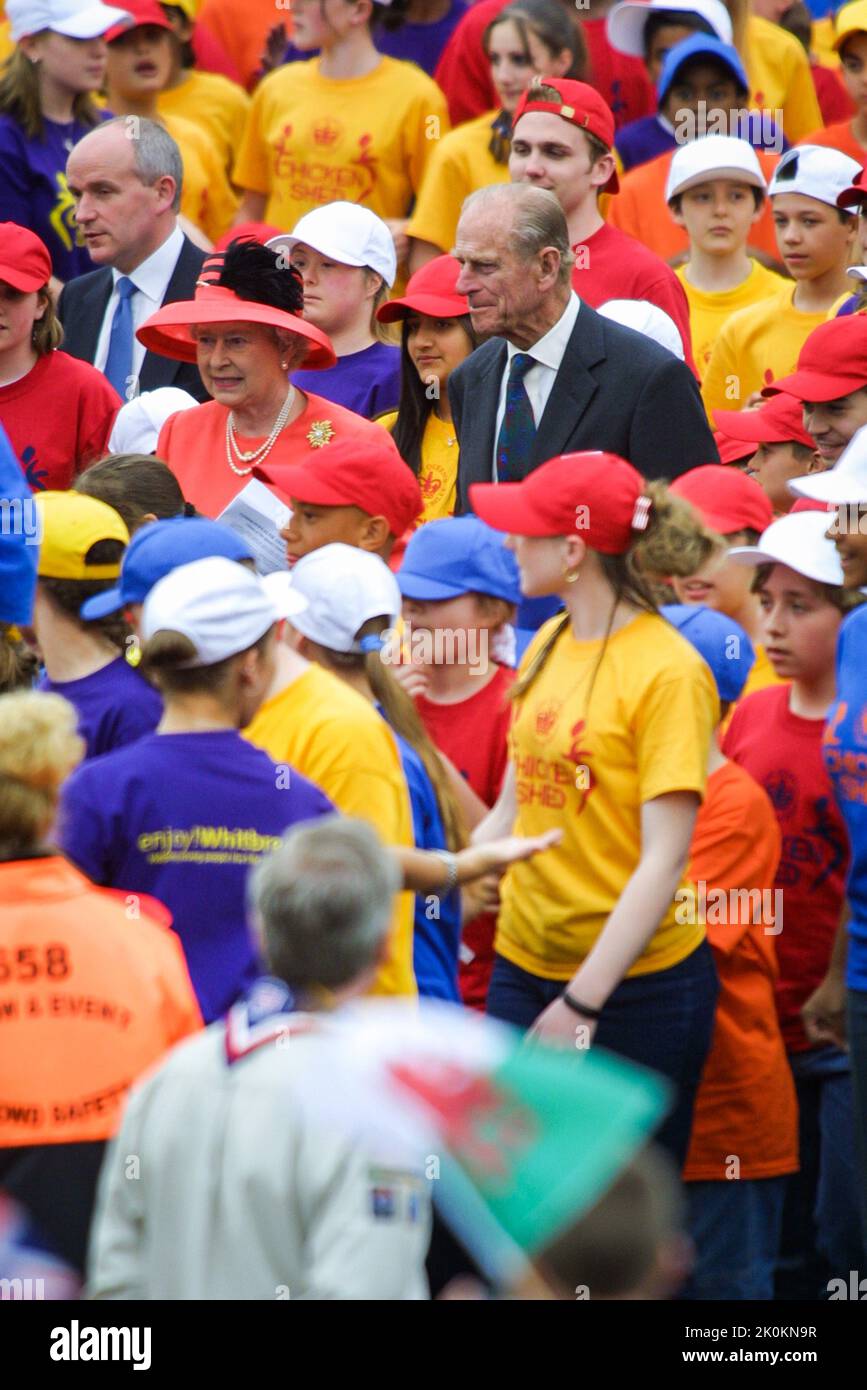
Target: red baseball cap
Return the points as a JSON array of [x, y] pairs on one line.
[[142, 12], [778, 421], [355, 471], [246, 231], [811, 504], [580, 104], [25, 263], [855, 194], [599, 495], [726, 498], [733, 450], [831, 363], [430, 291]]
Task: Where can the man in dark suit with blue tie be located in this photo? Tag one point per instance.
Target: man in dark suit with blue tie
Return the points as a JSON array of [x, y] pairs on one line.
[[554, 376], [126, 179]]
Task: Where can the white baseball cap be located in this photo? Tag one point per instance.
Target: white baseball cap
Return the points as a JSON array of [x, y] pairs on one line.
[[137, 424], [815, 171], [845, 482], [626, 22], [713, 157], [75, 19], [344, 588], [221, 606], [798, 541], [347, 233], [645, 318]]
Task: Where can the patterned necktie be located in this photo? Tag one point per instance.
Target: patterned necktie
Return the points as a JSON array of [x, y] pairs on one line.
[[518, 430], [118, 363]]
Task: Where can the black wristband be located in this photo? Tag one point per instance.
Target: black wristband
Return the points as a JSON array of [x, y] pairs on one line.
[[579, 1008]]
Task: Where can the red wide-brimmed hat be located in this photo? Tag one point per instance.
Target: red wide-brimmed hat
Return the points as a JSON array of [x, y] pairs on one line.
[[168, 331]]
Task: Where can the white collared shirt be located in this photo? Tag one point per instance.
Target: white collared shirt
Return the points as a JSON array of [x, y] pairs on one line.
[[539, 380], [151, 279]]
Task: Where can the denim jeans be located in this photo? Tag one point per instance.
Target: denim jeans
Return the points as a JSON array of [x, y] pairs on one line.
[[858, 1057], [663, 1021], [735, 1227], [821, 1236]]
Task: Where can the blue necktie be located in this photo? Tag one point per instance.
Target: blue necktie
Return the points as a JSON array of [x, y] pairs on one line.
[[518, 430], [118, 363]]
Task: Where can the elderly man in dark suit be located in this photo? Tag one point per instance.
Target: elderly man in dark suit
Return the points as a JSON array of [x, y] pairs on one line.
[[555, 376], [125, 177]]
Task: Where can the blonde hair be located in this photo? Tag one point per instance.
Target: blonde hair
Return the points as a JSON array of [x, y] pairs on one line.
[[21, 96], [19, 664], [39, 747], [676, 542]]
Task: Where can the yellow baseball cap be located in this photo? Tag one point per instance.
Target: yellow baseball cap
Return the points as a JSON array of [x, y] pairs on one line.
[[851, 19], [189, 7], [69, 524]]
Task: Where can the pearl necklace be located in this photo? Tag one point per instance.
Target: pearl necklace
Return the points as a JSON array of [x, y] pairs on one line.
[[254, 456]]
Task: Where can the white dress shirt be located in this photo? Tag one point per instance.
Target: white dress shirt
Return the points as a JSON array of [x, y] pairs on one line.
[[539, 380], [151, 279]]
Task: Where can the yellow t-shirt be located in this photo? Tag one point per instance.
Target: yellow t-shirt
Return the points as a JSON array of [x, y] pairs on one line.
[[207, 198], [756, 346], [439, 466], [588, 767], [312, 139], [460, 163], [219, 107], [709, 310], [780, 77], [330, 733]]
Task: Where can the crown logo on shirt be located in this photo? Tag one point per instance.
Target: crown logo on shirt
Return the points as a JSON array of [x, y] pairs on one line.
[[546, 718], [326, 132]]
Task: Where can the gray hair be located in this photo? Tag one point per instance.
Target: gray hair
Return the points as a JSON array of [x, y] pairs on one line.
[[537, 220], [155, 152], [323, 902]]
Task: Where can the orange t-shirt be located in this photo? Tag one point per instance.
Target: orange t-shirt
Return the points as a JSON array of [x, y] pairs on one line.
[[92, 992], [193, 444], [640, 209], [745, 1107], [241, 27], [838, 137]]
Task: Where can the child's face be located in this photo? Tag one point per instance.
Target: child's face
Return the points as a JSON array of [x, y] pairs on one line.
[[552, 153], [718, 215], [459, 616], [436, 347], [833, 423], [311, 526], [851, 545], [853, 62], [665, 38], [702, 81], [513, 66], [721, 584], [810, 235], [772, 465], [335, 296], [542, 561], [798, 626], [140, 61]]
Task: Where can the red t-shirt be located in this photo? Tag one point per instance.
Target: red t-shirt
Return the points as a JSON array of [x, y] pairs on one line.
[[784, 754], [473, 734], [58, 418], [609, 264], [464, 73]]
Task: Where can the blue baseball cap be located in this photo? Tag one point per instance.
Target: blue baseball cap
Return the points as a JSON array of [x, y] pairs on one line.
[[700, 46], [19, 539], [158, 548], [722, 642], [458, 555]]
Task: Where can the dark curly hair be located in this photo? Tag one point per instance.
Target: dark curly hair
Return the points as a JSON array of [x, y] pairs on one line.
[[256, 273]]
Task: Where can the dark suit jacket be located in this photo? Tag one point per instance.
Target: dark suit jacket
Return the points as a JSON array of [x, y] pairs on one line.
[[81, 309], [615, 390]]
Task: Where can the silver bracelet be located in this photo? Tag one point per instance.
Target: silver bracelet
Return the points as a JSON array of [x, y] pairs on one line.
[[451, 862]]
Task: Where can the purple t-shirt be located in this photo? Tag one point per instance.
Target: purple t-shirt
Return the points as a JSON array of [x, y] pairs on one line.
[[367, 382], [34, 192], [183, 817], [115, 706], [644, 139]]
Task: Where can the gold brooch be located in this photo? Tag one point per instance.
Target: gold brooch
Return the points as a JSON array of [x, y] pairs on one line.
[[321, 432]]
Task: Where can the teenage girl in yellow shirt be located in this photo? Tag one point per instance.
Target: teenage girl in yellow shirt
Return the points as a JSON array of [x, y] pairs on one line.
[[598, 940]]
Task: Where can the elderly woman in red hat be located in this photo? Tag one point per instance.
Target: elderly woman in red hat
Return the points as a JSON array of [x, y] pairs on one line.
[[57, 411], [245, 332], [437, 334]]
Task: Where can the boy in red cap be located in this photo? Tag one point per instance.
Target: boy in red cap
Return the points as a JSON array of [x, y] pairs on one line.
[[783, 448], [562, 140], [830, 382]]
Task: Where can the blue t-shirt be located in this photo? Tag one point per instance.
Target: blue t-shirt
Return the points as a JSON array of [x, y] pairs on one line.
[[845, 750], [182, 817], [34, 192], [437, 922], [115, 706], [367, 382]]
